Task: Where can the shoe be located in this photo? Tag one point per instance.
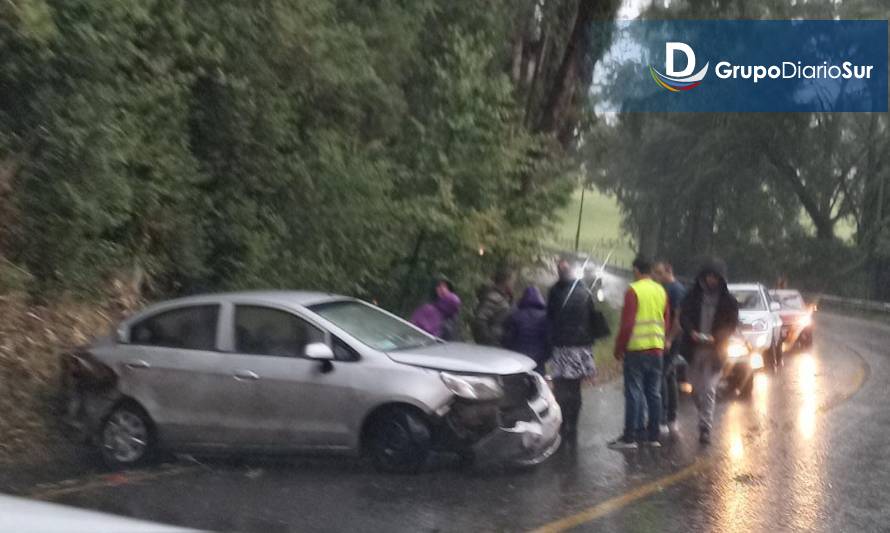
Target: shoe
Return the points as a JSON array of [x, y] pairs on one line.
[[622, 443], [651, 444], [704, 437], [674, 428]]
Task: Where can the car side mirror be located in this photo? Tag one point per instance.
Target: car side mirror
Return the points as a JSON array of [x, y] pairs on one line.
[[774, 306], [318, 351]]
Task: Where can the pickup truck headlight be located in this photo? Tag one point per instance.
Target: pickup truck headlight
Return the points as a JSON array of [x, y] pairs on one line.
[[473, 387], [805, 321]]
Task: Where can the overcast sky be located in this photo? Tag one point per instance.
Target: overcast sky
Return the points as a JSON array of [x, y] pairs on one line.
[[631, 9]]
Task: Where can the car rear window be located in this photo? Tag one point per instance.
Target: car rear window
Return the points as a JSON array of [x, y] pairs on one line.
[[191, 328], [791, 301]]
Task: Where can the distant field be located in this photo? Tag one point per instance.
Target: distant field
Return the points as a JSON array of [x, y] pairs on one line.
[[845, 229], [600, 227]]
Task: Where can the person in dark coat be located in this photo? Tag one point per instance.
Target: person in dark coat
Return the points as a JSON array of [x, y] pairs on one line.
[[525, 330], [439, 317], [493, 309], [709, 316], [572, 327]]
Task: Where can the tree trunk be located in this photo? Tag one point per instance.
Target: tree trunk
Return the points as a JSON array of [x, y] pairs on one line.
[[788, 172], [575, 71]]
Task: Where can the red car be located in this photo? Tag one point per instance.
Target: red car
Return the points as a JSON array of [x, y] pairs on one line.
[[797, 318]]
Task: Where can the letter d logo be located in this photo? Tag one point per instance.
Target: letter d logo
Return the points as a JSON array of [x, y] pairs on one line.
[[669, 51], [674, 80]]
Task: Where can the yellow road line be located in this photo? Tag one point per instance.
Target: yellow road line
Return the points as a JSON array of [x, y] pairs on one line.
[[613, 504], [618, 502]]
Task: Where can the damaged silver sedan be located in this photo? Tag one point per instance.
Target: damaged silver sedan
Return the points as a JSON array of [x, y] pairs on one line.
[[279, 371]]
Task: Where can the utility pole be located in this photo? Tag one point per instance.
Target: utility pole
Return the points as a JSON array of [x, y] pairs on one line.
[[580, 211]]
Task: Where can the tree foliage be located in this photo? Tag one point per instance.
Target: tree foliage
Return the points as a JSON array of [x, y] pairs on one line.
[[327, 144], [766, 191]]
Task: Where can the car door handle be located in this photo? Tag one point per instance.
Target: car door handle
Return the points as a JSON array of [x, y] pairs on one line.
[[138, 364], [245, 375]]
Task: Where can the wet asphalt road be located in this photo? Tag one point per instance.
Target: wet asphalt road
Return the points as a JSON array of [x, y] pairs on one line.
[[809, 452]]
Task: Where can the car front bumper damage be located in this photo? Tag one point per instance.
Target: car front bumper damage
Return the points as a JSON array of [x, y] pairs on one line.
[[518, 431], [525, 442]]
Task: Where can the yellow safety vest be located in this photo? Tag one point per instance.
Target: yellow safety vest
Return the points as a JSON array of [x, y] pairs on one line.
[[648, 332]]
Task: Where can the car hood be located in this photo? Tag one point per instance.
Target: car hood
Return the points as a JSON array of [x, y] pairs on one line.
[[746, 317], [469, 358]]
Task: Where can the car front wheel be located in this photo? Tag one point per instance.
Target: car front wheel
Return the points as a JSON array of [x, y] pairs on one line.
[[127, 438], [398, 441]]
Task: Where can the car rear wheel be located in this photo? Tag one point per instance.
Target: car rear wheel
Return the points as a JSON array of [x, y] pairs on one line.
[[127, 437], [398, 441]]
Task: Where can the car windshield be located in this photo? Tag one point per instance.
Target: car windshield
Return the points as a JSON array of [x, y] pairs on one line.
[[749, 299], [372, 326], [793, 301]]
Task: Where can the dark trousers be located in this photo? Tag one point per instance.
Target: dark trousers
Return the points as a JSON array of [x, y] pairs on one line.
[[642, 392], [670, 390], [568, 396]]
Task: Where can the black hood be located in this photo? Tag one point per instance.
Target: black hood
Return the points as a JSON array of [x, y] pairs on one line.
[[712, 265]]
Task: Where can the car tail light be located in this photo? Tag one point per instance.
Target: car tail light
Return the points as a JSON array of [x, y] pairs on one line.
[[83, 367]]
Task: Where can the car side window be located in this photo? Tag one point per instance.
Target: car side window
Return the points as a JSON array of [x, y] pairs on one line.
[[266, 331], [190, 328], [342, 351]]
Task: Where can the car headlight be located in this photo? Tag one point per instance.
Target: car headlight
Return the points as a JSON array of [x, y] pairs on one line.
[[473, 387], [804, 321], [761, 341], [756, 361], [736, 349], [759, 325]]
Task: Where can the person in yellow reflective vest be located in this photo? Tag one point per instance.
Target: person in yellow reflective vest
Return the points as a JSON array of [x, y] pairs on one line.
[[640, 344]]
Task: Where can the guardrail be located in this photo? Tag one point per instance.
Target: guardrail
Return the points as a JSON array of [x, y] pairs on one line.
[[853, 304]]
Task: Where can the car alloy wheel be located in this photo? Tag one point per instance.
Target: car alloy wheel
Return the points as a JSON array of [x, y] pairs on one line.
[[126, 437], [399, 441]]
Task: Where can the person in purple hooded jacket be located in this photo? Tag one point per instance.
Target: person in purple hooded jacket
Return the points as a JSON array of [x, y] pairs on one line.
[[439, 317], [526, 329]]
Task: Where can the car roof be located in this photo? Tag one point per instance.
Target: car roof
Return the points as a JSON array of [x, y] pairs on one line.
[[745, 286], [275, 297], [785, 292]]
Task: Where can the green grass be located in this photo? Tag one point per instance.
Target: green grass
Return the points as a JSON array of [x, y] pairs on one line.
[[607, 367], [600, 227], [845, 229]]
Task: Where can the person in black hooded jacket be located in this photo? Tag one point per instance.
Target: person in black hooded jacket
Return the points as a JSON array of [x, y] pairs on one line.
[[709, 316], [572, 328]]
